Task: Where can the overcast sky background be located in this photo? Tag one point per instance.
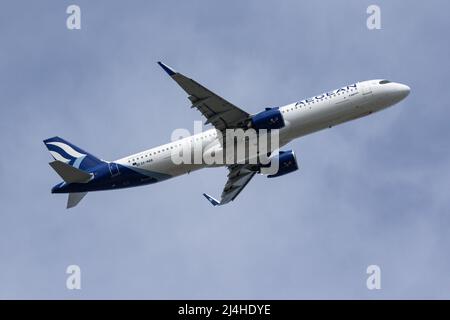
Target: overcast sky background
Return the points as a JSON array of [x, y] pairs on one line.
[[373, 191]]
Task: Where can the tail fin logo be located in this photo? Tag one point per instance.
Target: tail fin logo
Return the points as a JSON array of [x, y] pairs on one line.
[[65, 153], [69, 153]]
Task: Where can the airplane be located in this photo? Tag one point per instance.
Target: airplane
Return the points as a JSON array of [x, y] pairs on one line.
[[83, 172]]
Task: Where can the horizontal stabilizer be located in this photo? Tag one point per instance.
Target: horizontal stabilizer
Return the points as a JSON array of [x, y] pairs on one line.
[[74, 199], [70, 174]]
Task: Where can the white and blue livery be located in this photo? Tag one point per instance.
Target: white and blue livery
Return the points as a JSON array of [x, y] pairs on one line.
[[83, 172]]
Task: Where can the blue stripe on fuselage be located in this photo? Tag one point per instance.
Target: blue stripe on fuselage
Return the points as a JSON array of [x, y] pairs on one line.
[[104, 179]]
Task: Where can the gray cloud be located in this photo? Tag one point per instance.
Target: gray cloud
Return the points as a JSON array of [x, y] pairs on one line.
[[373, 191]]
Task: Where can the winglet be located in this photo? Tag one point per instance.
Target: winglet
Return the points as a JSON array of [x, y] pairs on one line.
[[167, 69], [213, 201]]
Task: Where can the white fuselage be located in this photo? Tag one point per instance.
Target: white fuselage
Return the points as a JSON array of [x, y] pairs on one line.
[[301, 118]]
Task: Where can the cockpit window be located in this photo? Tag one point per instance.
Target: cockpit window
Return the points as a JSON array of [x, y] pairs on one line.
[[384, 81]]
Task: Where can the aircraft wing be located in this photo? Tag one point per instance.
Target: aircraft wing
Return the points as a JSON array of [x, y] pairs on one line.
[[238, 177], [217, 111]]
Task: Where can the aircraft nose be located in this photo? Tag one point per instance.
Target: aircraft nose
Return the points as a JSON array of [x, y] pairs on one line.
[[402, 90]]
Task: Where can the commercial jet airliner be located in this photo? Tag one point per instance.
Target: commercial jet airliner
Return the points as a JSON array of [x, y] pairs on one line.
[[83, 172]]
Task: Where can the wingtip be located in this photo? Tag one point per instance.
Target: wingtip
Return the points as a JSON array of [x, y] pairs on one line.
[[167, 69], [213, 201]]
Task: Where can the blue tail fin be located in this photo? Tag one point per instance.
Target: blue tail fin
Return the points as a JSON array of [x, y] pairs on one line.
[[64, 151]]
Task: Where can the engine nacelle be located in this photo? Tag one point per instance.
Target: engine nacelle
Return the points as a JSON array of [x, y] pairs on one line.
[[271, 118], [287, 163]]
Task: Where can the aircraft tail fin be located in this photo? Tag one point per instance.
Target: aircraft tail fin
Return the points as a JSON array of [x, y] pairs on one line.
[[70, 174], [67, 152], [75, 198]]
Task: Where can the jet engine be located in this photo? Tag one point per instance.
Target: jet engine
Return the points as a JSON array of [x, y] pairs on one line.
[[270, 118], [287, 163]]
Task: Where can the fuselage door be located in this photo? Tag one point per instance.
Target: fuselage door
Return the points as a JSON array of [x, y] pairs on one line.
[[366, 89], [114, 169]]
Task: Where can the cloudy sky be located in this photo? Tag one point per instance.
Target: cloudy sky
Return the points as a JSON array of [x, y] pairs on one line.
[[373, 191]]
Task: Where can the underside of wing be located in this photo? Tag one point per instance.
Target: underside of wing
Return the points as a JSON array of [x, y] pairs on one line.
[[238, 177], [222, 115], [217, 111]]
